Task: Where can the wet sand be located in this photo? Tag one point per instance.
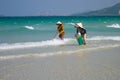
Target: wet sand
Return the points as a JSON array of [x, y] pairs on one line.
[[101, 64]]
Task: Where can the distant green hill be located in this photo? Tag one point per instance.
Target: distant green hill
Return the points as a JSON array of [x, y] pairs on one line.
[[110, 11]]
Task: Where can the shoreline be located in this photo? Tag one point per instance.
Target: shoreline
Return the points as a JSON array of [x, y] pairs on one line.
[[50, 51]]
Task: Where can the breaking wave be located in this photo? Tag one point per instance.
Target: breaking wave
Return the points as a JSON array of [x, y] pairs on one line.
[[29, 27], [54, 42], [114, 26], [116, 38]]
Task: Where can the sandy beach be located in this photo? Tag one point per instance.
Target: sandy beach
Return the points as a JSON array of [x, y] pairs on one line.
[[101, 64]]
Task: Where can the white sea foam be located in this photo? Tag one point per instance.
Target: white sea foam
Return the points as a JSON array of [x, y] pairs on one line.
[[29, 55], [114, 26], [53, 42], [73, 24], [29, 27], [116, 38], [42, 55]]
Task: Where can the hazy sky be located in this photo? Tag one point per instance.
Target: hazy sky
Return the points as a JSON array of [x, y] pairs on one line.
[[55, 7]]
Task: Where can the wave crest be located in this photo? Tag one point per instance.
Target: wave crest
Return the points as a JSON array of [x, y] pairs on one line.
[[29, 27], [116, 38], [114, 26], [53, 42]]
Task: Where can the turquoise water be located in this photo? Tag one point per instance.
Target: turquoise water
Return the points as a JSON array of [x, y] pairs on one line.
[[30, 29], [24, 33]]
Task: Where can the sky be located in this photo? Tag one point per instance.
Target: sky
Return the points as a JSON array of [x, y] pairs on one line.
[[51, 7]]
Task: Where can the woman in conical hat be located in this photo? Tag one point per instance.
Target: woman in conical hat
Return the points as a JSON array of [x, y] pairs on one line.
[[82, 31], [60, 30]]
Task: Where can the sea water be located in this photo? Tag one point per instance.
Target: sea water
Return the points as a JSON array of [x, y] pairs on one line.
[[26, 36]]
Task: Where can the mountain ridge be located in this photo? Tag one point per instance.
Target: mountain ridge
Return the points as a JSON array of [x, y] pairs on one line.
[[108, 11]]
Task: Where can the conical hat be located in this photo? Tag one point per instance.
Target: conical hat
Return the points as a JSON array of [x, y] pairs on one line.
[[79, 25], [59, 22]]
